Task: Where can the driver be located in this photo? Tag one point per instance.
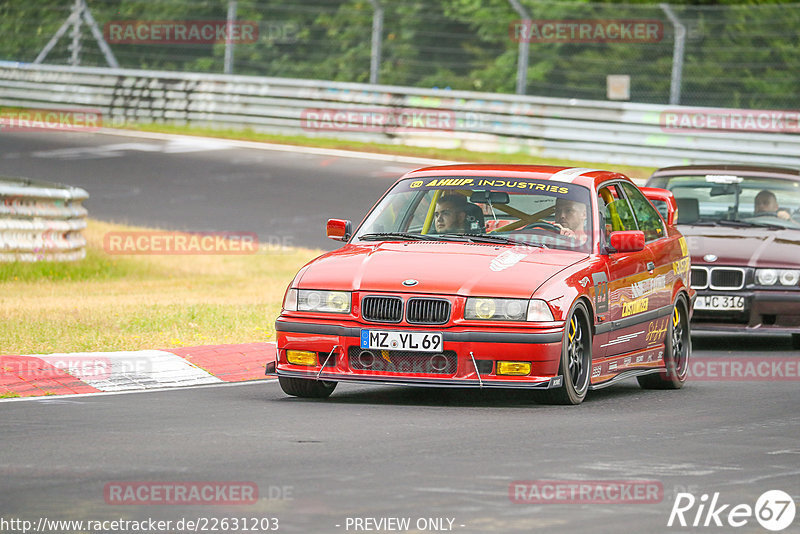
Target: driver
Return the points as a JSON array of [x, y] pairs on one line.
[[766, 205], [451, 214], [571, 219]]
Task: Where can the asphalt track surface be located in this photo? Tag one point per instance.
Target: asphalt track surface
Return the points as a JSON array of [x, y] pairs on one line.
[[370, 451], [204, 185]]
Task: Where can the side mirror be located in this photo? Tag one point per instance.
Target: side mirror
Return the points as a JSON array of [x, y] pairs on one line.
[[339, 229], [664, 201], [627, 241]]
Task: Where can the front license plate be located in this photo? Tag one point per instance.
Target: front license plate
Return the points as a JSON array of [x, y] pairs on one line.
[[719, 302], [394, 340]]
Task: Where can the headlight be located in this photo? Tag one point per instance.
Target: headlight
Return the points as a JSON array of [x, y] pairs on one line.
[[771, 277], [766, 277], [789, 278], [322, 301], [489, 309]]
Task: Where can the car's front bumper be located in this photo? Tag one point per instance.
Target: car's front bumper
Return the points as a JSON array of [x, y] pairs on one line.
[[475, 353], [403, 380], [764, 310]]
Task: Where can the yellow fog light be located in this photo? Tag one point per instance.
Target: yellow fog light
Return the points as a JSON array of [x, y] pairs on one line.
[[484, 308], [301, 357], [513, 368], [338, 301]]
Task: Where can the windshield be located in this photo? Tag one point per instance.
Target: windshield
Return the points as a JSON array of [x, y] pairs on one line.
[[740, 199], [492, 210]]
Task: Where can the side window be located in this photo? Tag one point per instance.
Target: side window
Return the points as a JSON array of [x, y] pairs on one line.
[[649, 220], [420, 212], [402, 212], [615, 211]]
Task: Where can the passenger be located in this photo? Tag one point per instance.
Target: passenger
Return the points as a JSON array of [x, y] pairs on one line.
[[450, 216]]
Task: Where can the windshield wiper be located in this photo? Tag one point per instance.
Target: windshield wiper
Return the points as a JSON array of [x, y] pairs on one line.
[[478, 238], [483, 238], [744, 223], [380, 236]]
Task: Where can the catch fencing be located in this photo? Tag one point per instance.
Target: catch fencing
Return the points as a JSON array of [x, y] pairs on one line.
[[740, 55]]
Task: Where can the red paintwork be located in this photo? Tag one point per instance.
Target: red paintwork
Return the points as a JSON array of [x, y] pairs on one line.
[[654, 194], [628, 241], [383, 265], [458, 270], [336, 229]]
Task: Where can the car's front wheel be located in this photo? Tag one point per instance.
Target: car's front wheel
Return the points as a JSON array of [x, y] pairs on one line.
[[306, 387], [677, 349], [576, 360]]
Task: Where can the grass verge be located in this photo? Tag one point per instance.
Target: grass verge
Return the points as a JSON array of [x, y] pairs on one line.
[[109, 302]]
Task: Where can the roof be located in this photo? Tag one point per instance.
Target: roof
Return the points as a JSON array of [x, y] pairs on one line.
[[751, 170]]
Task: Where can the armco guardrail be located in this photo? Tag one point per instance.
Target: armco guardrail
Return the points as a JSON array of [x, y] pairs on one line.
[[40, 221], [610, 132]]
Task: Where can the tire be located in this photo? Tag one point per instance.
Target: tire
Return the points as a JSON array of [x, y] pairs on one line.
[[677, 350], [576, 360], [306, 387], [796, 341]]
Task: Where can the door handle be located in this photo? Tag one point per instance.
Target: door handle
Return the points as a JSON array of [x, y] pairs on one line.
[[651, 266]]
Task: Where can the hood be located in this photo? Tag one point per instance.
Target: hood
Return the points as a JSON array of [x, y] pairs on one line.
[[440, 268], [744, 247]]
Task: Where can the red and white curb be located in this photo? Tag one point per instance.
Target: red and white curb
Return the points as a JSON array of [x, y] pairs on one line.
[[95, 372]]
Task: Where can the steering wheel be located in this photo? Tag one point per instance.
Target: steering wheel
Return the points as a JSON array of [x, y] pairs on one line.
[[543, 225]]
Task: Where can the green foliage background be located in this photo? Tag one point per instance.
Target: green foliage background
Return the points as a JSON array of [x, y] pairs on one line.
[[737, 54]]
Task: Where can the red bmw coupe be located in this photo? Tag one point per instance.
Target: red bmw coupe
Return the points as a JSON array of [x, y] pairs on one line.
[[495, 276]]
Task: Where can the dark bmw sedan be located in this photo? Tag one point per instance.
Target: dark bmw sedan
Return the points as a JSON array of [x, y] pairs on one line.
[[742, 225]]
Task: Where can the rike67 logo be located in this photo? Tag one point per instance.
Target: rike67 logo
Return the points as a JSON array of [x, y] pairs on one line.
[[774, 510]]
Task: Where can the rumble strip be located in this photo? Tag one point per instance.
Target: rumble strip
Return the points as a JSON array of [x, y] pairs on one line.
[[94, 372]]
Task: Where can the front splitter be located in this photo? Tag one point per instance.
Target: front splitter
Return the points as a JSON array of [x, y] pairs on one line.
[[548, 383]]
